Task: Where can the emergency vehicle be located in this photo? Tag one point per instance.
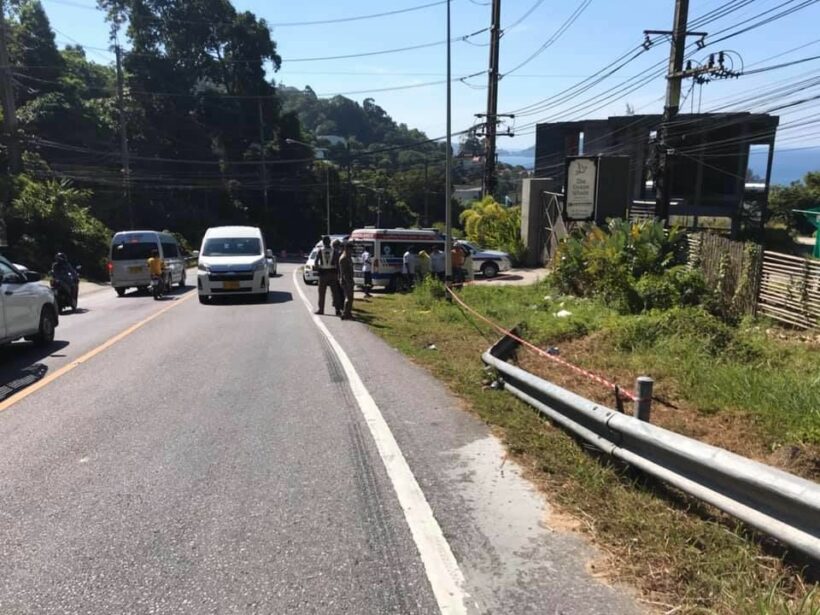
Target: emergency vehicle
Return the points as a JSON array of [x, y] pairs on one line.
[[387, 248]]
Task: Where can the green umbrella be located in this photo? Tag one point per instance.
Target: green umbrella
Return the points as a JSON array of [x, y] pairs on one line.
[[813, 216]]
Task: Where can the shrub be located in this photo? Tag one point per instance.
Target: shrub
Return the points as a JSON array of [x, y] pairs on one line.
[[51, 216], [428, 292], [492, 225], [676, 287], [632, 266]]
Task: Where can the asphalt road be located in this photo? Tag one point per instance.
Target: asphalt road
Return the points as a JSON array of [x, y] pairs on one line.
[[234, 459]]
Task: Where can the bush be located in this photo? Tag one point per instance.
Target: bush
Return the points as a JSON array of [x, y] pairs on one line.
[[682, 325], [632, 266], [676, 287], [50, 216], [428, 292], [492, 225]]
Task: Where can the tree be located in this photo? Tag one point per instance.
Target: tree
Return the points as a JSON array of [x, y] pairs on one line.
[[49, 216], [470, 145], [489, 224], [33, 49], [804, 194]]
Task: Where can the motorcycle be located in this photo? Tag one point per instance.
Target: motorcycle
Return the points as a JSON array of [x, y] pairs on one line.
[[158, 287], [66, 289]]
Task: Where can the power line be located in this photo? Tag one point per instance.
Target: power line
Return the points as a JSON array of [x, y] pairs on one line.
[[347, 56], [554, 37], [524, 16], [282, 24]]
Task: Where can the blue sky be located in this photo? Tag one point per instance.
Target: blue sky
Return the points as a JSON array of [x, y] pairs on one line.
[[605, 30]]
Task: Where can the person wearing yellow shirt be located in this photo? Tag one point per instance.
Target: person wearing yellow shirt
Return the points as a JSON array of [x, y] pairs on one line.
[[156, 267]]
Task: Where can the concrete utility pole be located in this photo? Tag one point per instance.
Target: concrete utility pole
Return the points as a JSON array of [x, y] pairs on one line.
[[491, 129], [426, 195], [670, 109], [126, 162], [262, 163], [9, 118], [348, 161], [327, 195], [448, 165]]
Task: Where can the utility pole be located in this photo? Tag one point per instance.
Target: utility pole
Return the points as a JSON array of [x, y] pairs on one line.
[[263, 163], [426, 195], [670, 109], [9, 119], [126, 163], [491, 129], [448, 164], [327, 195], [349, 186]]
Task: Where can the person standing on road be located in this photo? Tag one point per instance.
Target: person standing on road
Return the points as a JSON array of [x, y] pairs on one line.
[[346, 279], [327, 273], [437, 263], [367, 271], [338, 295]]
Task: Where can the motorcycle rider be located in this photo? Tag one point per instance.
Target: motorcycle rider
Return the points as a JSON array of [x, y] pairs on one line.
[[156, 267], [65, 276]]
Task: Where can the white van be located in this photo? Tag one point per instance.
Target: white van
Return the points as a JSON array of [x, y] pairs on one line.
[[387, 247], [233, 260], [128, 262]]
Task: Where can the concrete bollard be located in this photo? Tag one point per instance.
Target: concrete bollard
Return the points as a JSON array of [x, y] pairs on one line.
[[643, 398]]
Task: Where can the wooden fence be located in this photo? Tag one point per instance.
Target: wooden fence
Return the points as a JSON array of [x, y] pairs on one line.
[[749, 280], [790, 289], [730, 269]]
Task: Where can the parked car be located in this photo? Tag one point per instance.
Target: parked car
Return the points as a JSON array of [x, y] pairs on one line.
[[487, 262], [130, 250], [27, 307], [309, 274], [233, 260]]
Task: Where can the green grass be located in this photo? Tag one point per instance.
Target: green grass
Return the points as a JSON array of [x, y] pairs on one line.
[[676, 551]]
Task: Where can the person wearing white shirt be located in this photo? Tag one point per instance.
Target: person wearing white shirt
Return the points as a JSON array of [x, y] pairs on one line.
[[437, 263], [409, 266], [367, 271]]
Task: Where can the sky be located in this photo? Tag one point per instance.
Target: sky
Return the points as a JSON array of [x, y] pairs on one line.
[[603, 31]]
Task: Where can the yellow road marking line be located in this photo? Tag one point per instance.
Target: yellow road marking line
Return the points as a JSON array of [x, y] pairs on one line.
[[6, 404]]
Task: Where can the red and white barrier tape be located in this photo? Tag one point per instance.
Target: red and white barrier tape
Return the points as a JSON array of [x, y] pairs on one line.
[[624, 394]]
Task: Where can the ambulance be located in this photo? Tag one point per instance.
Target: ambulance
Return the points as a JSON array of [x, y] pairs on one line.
[[387, 248]]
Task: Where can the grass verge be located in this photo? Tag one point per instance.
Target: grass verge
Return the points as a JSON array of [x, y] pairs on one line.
[[683, 556]]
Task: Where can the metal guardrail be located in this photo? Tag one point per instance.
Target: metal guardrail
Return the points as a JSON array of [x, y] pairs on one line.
[[777, 503]]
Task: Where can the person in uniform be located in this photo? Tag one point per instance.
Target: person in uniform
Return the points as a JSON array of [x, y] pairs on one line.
[[327, 273], [346, 280], [338, 295]]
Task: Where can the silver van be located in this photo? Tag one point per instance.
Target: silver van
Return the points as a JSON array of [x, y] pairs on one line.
[[128, 263]]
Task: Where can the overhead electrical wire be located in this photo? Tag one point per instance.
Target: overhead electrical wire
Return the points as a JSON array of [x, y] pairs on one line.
[[523, 17], [734, 6], [281, 24], [347, 56], [582, 6]]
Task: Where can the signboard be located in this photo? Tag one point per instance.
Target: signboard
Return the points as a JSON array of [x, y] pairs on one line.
[[582, 175]]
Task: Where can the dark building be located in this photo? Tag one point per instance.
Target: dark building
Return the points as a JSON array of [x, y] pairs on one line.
[[708, 167]]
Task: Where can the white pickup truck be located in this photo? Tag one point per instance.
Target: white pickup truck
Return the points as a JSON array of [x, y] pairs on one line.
[[27, 308]]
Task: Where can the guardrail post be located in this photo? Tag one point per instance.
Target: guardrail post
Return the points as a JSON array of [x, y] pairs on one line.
[[643, 398]]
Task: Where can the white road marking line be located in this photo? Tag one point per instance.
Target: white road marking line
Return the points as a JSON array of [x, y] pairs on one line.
[[440, 565]]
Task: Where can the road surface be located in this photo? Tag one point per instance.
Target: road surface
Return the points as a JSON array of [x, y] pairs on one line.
[[172, 457]]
